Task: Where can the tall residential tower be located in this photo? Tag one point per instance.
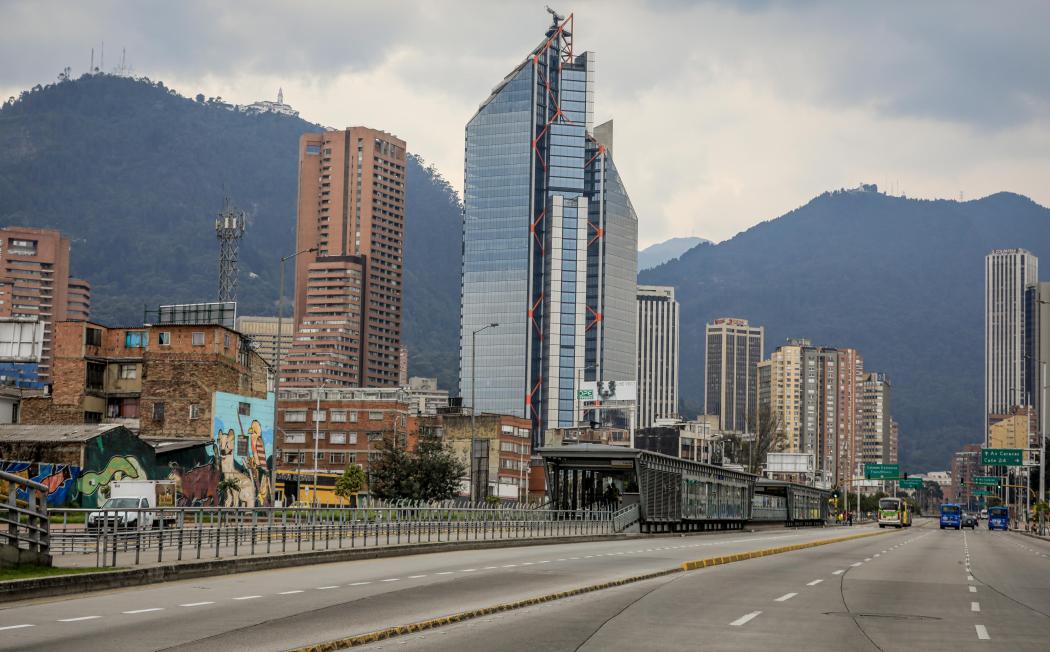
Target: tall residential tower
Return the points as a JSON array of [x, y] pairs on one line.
[[549, 242], [657, 354], [733, 349], [348, 293]]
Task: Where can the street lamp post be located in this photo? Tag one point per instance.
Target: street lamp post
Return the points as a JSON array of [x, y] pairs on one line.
[[277, 365], [473, 410]]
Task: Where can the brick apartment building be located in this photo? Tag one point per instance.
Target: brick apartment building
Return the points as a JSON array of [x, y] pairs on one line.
[[503, 440], [163, 382], [35, 283], [348, 293], [966, 464]]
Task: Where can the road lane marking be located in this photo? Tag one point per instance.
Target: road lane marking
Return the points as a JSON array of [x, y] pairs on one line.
[[975, 606], [973, 589], [392, 579], [416, 577], [526, 563], [982, 632], [867, 559], [814, 582], [467, 570], [243, 597], [281, 593], [507, 566], [363, 583], [16, 627], [486, 568], [199, 604], [786, 597], [325, 588], [855, 564], [838, 572], [77, 620], [444, 573], [142, 611], [969, 578], [743, 620]]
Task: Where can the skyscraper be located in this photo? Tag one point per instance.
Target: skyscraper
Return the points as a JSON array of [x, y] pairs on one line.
[[1011, 279], [35, 283], [733, 351], [874, 423], [549, 242], [348, 293], [657, 354]]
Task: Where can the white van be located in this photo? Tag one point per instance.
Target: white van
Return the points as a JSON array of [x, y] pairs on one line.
[[135, 494]]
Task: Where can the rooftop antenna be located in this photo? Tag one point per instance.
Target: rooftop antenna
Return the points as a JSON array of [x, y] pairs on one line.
[[102, 58], [558, 18], [123, 67], [230, 225], [91, 70]]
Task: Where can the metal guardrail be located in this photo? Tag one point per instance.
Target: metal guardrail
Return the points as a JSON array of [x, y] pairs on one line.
[[24, 532], [145, 535]]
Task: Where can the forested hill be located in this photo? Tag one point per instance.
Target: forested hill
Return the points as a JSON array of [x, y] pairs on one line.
[[134, 173], [900, 279]]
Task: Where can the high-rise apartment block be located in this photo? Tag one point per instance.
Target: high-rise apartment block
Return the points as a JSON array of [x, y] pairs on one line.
[[348, 294], [874, 424], [733, 349], [815, 396], [35, 283], [549, 242], [657, 354], [262, 331], [1011, 296]]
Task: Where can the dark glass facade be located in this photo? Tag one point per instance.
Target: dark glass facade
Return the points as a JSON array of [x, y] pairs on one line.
[[549, 244]]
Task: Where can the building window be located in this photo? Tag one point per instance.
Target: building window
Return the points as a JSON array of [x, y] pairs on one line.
[[198, 338], [96, 372], [136, 339], [319, 435], [129, 372], [375, 436], [337, 437], [338, 416], [21, 247], [319, 415], [353, 438], [164, 338], [295, 437], [92, 417], [295, 416], [226, 341], [294, 458], [93, 336], [375, 416], [244, 409], [337, 458], [353, 416], [158, 411], [195, 411]]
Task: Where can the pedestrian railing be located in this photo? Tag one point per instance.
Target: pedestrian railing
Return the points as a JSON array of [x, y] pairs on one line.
[[24, 536], [625, 517], [123, 537]]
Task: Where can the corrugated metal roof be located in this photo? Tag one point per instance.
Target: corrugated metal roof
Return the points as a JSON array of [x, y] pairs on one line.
[[77, 432]]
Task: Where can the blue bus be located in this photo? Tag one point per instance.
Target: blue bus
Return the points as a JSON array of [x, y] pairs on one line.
[[999, 518], [951, 516]]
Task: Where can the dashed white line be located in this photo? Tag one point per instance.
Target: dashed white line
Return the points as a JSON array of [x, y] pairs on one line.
[[969, 578], [982, 632], [325, 588], [507, 566], [786, 597], [243, 597], [142, 611], [878, 554], [973, 589], [975, 606], [526, 563], [363, 583], [16, 627], [839, 572], [77, 620], [467, 570], [867, 559], [743, 620], [281, 593], [486, 568], [392, 579], [444, 573], [416, 577], [855, 564], [200, 604], [814, 582]]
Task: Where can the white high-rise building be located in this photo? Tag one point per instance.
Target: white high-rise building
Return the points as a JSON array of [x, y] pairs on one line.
[[657, 354], [1010, 298]]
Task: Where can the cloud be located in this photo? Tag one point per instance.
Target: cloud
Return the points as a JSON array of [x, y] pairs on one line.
[[726, 113]]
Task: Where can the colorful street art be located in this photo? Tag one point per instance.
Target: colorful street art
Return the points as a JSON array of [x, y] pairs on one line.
[[243, 429], [60, 479], [119, 467]]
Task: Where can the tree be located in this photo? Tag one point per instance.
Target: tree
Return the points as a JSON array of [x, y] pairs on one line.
[[350, 483], [767, 438], [430, 472]]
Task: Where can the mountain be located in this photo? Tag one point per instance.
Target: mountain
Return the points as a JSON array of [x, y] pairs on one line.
[[134, 173], [661, 252], [900, 279]]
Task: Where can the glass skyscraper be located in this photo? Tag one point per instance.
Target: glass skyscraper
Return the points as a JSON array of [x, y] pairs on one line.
[[549, 242]]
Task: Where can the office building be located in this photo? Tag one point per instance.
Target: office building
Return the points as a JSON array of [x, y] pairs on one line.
[[348, 293], [549, 242], [35, 283], [966, 464], [262, 331], [1010, 340], [657, 354], [733, 349], [1042, 379]]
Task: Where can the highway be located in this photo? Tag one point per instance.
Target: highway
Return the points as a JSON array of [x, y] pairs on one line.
[[901, 590]]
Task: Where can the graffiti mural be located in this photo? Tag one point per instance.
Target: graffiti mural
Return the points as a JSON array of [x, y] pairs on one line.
[[119, 467], [243, 428], [59, 478]]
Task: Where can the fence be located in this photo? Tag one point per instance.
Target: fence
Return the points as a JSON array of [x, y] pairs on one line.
[[147, 535], [24, 537]]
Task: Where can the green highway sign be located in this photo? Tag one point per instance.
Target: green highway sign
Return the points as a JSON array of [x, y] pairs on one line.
[[911, 483], [585, 394], [882, 471], [1001, 456], [987, 480], [982, 492]]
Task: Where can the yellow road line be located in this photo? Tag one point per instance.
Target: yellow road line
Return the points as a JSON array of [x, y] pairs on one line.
[[399, 630]]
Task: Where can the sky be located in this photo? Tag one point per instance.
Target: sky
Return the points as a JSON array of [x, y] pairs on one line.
[[726, 114]]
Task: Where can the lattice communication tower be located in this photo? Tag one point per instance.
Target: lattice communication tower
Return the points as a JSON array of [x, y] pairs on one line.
[[230, 225]]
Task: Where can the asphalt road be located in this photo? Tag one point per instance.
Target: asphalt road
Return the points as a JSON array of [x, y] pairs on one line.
[[922, 589], [279, 609]]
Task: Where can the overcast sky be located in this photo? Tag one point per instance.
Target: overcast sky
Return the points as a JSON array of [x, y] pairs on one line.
[[726, 114]]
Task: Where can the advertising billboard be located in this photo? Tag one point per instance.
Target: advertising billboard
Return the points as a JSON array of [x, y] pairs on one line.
[[607, 391]]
